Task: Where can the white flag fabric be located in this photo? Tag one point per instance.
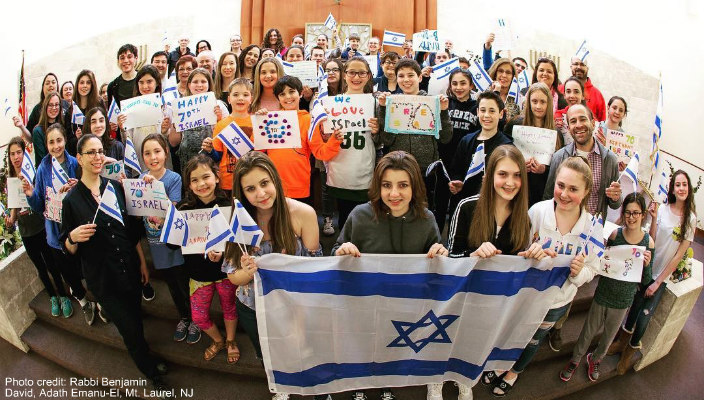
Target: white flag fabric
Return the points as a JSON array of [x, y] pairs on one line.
[[77, 116], [397, 320], [394, 39], [657, 134], [236, 141], [480, 77], [582, 51], [330, 22], [243, 226], [175, 230], [317, 113], [28, 169], [631, 172], [59, 177], [113, 112], [593, 238], [477, 165], [623, 263], [109, 205], [169, 93], [513, 89], [523, 80], [661, 192], [218, 231], [131, 159]]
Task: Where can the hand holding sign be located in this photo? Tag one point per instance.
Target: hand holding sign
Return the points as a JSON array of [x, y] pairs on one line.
[[194, 111]]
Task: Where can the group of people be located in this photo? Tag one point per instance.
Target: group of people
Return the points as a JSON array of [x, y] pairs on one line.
[[377, 182]]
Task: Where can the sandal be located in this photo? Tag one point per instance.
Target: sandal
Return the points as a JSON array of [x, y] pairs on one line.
[[488, 377], [213, 350], [233, 352], [503, 386]]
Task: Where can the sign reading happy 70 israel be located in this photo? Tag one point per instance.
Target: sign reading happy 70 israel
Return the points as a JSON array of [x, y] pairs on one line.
[[194, 111], [413, 114]]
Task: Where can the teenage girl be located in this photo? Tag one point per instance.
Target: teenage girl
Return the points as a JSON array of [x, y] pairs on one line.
[[97, 124], [266, 74], [617, 111]]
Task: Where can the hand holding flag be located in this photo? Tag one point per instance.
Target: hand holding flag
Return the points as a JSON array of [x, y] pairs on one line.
[[235, 140], [330, 22], [77, 116], [246, 231], [631, 171]]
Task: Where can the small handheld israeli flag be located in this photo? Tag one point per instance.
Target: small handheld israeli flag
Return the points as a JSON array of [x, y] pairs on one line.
[[113, 112], [131, 159], [28, 170], [477, 165], [175, 230], [170, 92], [109, 205], [443, 70], [594, 237], [657, 133], [582, 51], [59, 177], [318, 115], [631, 171], [77, 116], [480, 77], [393, 39], [243, 226], [218, 231], [523, 80], [235, 140], [661, 193], [513, 89], [330, 22]]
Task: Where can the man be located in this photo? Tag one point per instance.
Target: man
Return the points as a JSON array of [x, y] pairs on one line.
[[374, 46], [160, 61], [122, 87], [592, 95], [408, 49], [206, 60], [182, 50], [317, 54], [353, 49], [520, 64], [604, 165]]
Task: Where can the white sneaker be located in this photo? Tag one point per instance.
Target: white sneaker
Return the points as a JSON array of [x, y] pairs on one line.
[[280, 396], [434, 391], [465, 392], [328, 229]]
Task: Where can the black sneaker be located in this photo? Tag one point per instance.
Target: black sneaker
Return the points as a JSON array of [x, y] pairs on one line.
[[89, 312], [193, 334], [555, 340], [387, 394], [148, 292], [181, 330]]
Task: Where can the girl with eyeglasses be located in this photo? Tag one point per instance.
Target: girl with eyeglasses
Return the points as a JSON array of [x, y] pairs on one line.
[[333, 68]]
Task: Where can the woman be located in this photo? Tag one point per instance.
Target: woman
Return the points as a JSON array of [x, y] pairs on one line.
[[202, 45], [225, 74], [537, 113], [545, 71], [273, 40], [617, 111], [298, 40], [266, 74], [502, 72], [104, 93], [574, 94], [268, 53], [110, 253], [236, 44], [248, 61], [51, 114], [49, 84], [67, 91], [184, 66]]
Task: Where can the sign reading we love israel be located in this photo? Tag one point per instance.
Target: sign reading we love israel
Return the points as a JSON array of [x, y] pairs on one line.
[[413, 114], [348, 112]]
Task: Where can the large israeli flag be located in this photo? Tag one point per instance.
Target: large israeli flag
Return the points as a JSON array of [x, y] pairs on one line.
[[334, 324]]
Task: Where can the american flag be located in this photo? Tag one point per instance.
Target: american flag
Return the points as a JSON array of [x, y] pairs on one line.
[[22, 106]]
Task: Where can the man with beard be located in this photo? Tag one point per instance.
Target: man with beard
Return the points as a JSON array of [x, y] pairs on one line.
[[592, 95]]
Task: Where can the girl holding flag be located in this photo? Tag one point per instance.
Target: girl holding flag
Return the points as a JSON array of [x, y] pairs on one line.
[[85, 98], [96, 228], [57, 173]]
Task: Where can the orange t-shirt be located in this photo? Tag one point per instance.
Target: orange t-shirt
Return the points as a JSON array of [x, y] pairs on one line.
[[228, 161]]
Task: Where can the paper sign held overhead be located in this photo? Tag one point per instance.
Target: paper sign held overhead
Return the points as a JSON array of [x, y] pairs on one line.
[[413, 114], [142, 111], [535, 142], [276, 130], [194, 111], [428, 41]]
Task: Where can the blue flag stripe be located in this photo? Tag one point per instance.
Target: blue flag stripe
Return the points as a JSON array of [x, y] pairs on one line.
[[111, 211], [217, 239], [169, 221], [428, 286]]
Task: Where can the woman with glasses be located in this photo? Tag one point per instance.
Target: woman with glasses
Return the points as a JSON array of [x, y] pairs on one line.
[[184, 67], [50, 114], [236, 44]]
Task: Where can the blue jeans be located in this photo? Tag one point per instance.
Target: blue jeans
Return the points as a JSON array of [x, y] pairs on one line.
[[641, 311], [551, 317]]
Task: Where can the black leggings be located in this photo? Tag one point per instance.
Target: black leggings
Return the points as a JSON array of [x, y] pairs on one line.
[[177, 280], [70, 270], [39, 252]]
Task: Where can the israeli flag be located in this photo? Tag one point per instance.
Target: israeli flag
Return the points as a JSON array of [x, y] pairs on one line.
[[661, 193], [593, 237], [393, 39], [77, 116], [170, 93], [131, 158], [236, 141], [330, 22], [397, 320], [582, 51], [175, 230], [657, 133], [243, 226], [480, 77], [523, 80], [631, 171], [218, 232], [59, 177], [477, 165], [322, 82], [28, 169], [513, 89], [173, 74], [109, 205], [317, 114], [444, 70], [113, 112]]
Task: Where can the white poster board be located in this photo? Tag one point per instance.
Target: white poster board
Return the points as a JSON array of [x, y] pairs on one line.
[[145, 199], [535, 142], [306, 71], [276, 130], [113, 170], [348, 112], [194, 111], [197, 221], [413, 115], [15, 195], [623, 263], [622, 144], [142, 111]]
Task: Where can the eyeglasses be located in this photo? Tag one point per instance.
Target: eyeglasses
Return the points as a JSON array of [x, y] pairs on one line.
[[635, 214], [332, 70], [361, 74], [579, 64], [185, 69], [391, 63], [53, 105], [93, 153]]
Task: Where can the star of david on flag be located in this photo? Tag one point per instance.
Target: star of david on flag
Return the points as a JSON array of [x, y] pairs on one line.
[[480, 77], [394, 39], [175, 230], [477, 164], [113, 112], [109, 204], [582, 51], [438, 335], [236, 141], [131, 159], [28, 169], [59, 177], [77, 116]]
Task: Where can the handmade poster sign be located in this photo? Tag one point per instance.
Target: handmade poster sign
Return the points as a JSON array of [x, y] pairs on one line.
[[197, 221], [413, 114], [504, 39], [623, 263], [142, 111], [348, 112], [194, 111], [276, 130], [53, 204], [535, 142], [145, 199], [622, 144], [306, 71], [15, 196], [373, 62], [428, 41], [113, 170]]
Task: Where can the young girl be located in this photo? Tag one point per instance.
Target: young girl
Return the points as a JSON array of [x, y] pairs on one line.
[[201, 178], [613, 297], [556, 225], [673, 229], [538, 113], [240, 98], [266, 74], [226, 73], [50, 83], [33, 233], [248, 61], [168, 258], [190, 141], [350, 171], [96, 123], [574, 94], [334, 69], [36, 197], [394, 221], [51, 114], [67, 91], [617, 111], [289, 227]]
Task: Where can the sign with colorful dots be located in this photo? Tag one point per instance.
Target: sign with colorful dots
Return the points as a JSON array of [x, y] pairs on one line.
[[276, 130], [413, 114]]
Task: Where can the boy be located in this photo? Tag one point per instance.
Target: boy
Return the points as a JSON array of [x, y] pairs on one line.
[[122, 87], [353, 50], [317, 54]]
